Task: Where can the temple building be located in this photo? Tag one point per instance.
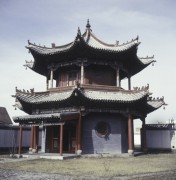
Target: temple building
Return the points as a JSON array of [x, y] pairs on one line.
[[84, 108]]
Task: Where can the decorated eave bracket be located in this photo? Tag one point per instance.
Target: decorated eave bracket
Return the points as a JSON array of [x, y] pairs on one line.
[[143, 88], [147, 60], [117, 43], [29, 64], [17, 103], [158, 99], [25, 91]]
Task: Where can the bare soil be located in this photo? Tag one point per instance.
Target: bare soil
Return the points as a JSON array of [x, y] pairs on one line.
[[151, 166]]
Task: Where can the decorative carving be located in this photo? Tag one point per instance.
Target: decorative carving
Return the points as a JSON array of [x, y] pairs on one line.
[[156, 99], [24, 91], [143, 88]]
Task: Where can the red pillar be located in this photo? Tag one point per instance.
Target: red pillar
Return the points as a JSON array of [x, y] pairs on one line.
[[79, 133], [32, 138], [34, 146], [37, 137], [61, 139], [130, 135], [20, 141]]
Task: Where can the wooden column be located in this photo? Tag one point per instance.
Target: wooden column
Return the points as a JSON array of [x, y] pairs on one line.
[[143, 137], [20, 141], [37, 137], [79, 133], [130, 135], [117, 77], [61, 140], [82, 73], [51, 78], [35, 140], [129, 82], [32, 138], [46, 83]]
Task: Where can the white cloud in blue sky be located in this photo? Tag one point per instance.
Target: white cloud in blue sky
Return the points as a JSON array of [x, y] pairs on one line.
[[47, 21]]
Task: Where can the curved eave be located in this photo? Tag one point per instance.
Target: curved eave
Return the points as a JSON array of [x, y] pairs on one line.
[[40, 98], [154, 105], [39, 117], [77, 97], [92, 41], [114, 97], [139, 64]]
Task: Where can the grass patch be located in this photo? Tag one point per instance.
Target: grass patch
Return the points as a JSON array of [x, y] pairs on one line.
[[106, 167]]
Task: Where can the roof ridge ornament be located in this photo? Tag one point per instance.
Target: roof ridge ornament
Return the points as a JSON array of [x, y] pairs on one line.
[[88, 26], [143, 88], [79, 31]]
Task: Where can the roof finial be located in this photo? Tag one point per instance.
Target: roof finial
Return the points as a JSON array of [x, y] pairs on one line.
[[79, 32], [88, 25]]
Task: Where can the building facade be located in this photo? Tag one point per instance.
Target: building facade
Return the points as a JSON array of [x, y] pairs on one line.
[[84, 108]]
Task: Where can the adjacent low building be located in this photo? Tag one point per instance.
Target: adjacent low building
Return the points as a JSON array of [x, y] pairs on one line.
[[161, 136]]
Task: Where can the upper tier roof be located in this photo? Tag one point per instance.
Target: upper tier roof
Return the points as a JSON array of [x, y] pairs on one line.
[[88, 46], [137, 99]]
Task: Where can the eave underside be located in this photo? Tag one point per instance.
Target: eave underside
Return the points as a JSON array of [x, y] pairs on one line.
[[90, 100], [127, 60]]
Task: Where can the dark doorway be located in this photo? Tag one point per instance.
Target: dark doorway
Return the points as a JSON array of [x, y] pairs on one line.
[[69, 138]]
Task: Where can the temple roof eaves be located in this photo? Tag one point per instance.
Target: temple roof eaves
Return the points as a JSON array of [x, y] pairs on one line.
[[147, 60]]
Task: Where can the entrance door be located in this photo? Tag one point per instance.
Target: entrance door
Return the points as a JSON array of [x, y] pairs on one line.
[[55, 139], [69, 138]]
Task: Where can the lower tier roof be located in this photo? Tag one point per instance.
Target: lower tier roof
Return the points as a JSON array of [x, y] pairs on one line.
[[115, 99]]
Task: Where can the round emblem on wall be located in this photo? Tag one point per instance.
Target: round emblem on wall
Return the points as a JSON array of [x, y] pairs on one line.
[[102, 129]]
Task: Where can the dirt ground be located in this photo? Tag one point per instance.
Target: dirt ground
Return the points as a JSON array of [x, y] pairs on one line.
[[151, 166]]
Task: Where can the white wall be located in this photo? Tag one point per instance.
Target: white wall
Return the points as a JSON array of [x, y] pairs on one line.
[[160, 139], [9, 138], [173, 139]]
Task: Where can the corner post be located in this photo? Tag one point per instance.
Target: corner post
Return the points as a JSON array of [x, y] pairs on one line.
[[20, 141], [31, 139], [117, 77], [79, 135], [51, 78], [46, 83], [61, 140], [143, 137], [129, 82], [43, 141], [34, 150], [130, 135], [82, 73]]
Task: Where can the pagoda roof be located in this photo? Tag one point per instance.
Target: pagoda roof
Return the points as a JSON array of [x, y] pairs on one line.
[[89, 97], [87, 46], [89, 39]]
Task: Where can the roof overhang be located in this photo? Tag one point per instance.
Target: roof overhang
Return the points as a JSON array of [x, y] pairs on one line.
[[46, 119]]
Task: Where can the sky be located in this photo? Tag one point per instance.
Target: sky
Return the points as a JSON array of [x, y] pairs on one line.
[[46, 21]]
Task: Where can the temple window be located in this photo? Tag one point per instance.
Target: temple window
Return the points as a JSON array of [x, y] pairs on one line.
[[102, 129], [72, 77]]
